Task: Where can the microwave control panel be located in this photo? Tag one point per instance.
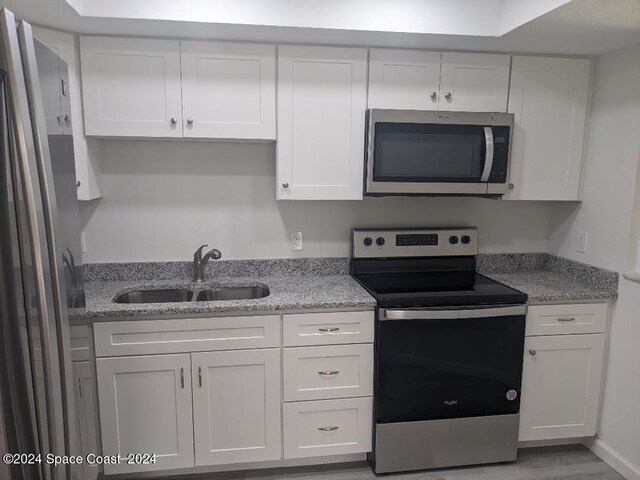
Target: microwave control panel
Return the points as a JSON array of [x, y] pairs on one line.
[[501, 142]]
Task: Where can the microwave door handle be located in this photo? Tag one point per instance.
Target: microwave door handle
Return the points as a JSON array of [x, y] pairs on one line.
[[488, 158]]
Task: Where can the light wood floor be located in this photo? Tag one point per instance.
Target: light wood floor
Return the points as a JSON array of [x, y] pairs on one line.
[[570, 462]]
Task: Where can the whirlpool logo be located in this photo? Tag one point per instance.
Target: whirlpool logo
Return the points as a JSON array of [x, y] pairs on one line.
[[450, 403]]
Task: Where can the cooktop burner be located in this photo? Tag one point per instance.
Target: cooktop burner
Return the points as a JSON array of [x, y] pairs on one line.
[[425, 267]]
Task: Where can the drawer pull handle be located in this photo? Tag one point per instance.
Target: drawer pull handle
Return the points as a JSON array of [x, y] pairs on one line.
[[332, 329], [328, 373], [328, 429], [567, 319]]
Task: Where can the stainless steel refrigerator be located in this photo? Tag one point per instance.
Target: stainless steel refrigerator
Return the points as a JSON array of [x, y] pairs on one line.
[[41, 290]]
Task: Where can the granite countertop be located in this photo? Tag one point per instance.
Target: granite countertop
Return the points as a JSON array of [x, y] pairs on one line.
[[287, 292], [548, 286], [548, 278], [299, 284]]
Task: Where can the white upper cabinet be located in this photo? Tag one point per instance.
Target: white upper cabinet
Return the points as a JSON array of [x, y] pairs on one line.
[[131, 87], [549, 99], [228, 90], [404, 79], [322, 98], [423, 80], [166, 88], [63, 107], [474, 82]]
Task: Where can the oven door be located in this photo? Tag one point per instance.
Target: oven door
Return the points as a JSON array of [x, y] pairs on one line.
[[444, 363], [412, 152]]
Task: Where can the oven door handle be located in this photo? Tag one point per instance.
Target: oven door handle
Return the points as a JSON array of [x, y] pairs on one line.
[[488, 156], [453, 314]]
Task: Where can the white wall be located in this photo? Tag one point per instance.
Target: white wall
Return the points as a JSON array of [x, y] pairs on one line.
[[606, 214], [164, 199]]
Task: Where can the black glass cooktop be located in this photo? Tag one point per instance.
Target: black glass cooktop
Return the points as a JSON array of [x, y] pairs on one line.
[[437, 289]]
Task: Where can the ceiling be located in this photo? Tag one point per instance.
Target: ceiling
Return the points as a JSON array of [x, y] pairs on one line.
[[577, 27]]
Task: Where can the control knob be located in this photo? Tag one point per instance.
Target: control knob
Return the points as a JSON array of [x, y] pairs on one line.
[[453, 239], [380, 241], [368, 241], [466, 239]]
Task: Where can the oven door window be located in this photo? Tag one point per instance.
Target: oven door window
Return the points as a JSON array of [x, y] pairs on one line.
[[432, 369], [418, 152]]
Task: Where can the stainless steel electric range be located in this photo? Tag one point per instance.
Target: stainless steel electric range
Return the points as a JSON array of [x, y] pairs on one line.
[[448, 350]]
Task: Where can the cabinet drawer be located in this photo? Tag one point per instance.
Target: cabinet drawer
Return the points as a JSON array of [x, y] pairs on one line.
[[327, 328], [327, 427], [337, 371], [136, 337], [566, 319]]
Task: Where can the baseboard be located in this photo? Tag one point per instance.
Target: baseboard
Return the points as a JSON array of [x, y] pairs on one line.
[[613, 458]]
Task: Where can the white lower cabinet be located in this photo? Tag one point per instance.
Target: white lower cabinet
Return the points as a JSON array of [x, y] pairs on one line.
[[211, 393], [145, 407], [327, 427], [236, 406], [561, 386], [86, 417]]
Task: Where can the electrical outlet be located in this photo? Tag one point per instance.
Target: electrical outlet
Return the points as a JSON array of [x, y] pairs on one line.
[[296, 240], [582, 242]]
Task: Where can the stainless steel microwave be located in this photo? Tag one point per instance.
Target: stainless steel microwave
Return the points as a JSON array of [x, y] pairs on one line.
[[411, 152]]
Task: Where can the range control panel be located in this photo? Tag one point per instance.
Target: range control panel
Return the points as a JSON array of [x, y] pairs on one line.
[[415, 242]]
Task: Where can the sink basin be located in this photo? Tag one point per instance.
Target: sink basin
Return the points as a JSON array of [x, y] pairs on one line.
[[209, 294], [156, 296], [231, 293]]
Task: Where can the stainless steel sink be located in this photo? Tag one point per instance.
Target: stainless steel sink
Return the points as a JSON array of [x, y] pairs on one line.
[[231, 293], [208, 294], [156, 296]]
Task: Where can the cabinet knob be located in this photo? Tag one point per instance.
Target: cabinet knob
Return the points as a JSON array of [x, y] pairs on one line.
[[447, 95], [173, 121], [67, 119], [511, 186], [78, 183], [59, 118], [189, 121], [532, 352], [434, 95], [285, 185]]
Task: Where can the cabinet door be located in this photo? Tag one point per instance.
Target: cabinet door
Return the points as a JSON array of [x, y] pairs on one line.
[[85, 150], [145, 407], [87, 416], [548, 98], [131, 87], [229, 90], [474, 82], [561, 386], [236, 406], [321, 109], [50, 85], [404, 79]]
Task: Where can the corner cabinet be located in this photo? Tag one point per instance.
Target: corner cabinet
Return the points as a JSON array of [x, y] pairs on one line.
[[562, 371], [63, 107], [423, 80], [548, 97], [322, 99], [174, 89]]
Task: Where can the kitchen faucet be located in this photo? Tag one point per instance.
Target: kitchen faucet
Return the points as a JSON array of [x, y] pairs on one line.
[[200, 262]]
